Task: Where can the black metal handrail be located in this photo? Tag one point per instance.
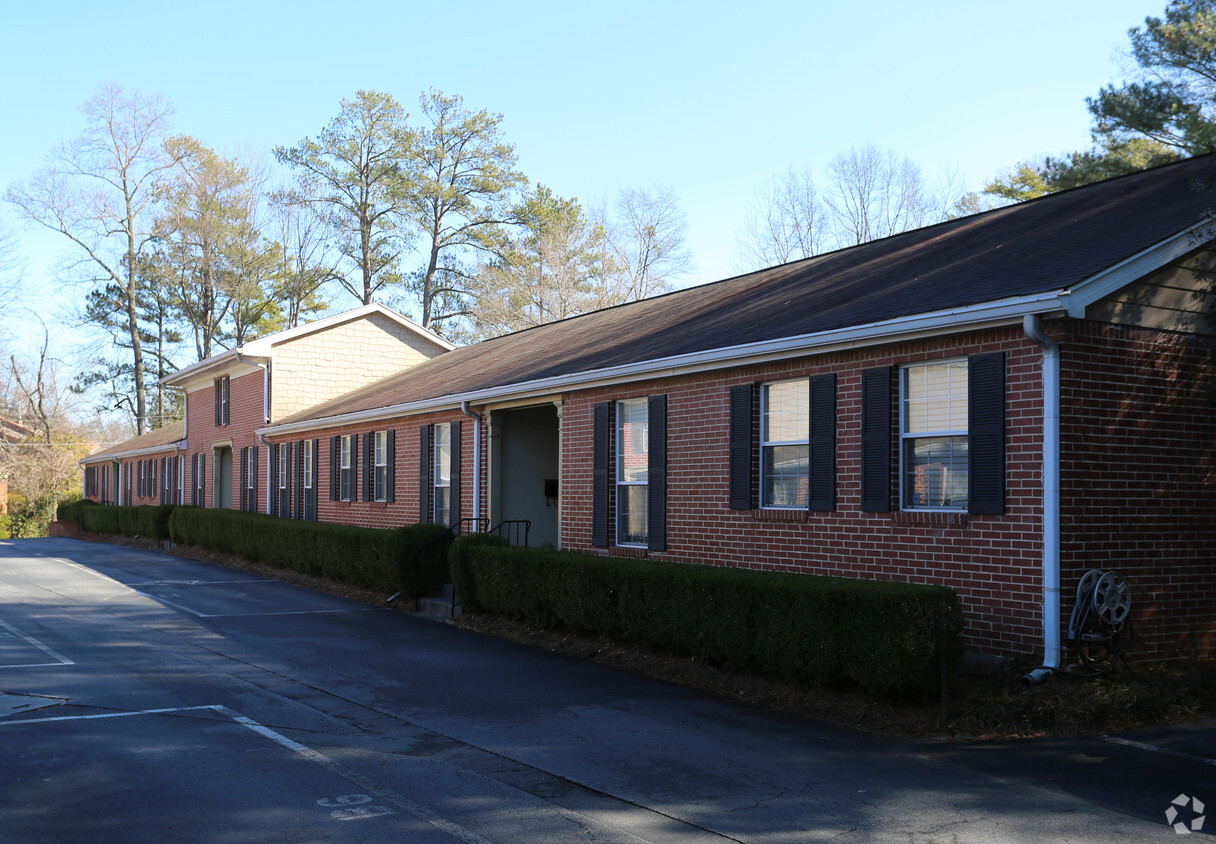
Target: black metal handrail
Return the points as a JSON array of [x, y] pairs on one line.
[[511, 530]]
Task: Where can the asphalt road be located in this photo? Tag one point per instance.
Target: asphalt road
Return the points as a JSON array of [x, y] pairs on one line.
[[149, 698]]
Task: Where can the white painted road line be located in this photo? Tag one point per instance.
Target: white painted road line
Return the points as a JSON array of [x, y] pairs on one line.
[[1155, 749], [51, 652], [453, 829], [198, 614]]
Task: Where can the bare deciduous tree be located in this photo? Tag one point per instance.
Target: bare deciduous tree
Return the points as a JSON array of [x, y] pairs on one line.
[[787, 222], [99, 191], [875, 194], [870, 194], [43, 467], [646, 239]]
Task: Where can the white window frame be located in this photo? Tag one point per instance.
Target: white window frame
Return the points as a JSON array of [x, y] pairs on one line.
[[909, 436], [223, 386], [441, 480], [346, 477], [625, 485], [380, 466], [309, 467], [251, 480], [200, 485], [767, 444], [308, 479], [283, 466]]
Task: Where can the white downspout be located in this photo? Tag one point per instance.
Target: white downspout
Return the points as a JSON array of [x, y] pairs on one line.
[[477, 419], [1051, 499]]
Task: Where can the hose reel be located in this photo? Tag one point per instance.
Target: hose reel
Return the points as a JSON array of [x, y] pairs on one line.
[[1099, 618]]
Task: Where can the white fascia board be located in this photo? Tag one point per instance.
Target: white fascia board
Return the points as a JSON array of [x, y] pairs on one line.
[[1098, 287], [261, 348], [172, 445], [234, 363], [262, 345], [986, 315]]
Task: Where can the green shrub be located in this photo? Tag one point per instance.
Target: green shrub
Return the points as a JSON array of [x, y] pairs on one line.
[[880, 637], [363, 557], [28, 519], [146, 520], [68, 510]]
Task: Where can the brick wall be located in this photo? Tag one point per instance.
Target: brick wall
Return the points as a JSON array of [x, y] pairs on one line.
[[993, 561], [1139, 486], [1139, 478], [245, 415], [1139, 482], [406, 508]]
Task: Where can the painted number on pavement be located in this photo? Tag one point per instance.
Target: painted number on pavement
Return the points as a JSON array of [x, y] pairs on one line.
[[353, 807]]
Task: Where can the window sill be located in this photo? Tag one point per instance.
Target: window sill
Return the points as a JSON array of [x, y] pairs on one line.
[[931, 518], [775, 515], [628, 551]]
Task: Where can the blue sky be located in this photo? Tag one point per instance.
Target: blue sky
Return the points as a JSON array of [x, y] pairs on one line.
[[709, 98]]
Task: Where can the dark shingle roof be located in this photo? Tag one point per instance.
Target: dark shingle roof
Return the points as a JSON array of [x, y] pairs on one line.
[[1048, 244], [162, 437]]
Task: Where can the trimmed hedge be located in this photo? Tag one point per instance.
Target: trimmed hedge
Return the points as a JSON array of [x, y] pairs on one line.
[[69, 511], [878, 636], [364, 557], [151, 522]]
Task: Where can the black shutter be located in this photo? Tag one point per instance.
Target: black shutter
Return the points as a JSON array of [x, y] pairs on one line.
[[164, 479], [369, 467], [741, 401], [600, 476], [335, 469], [454, 474], [273, 456], [424, 473], [823, 443], [390, 493], [300, 491], [288, 480], [876, 440], [656, 473], [316, 478], [217, 402], [986, 431], [244, 469]]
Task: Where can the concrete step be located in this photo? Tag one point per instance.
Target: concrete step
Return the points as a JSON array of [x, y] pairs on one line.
[[439, 605]]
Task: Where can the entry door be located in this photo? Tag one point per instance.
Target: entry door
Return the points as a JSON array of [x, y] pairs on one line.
[[221, 496]]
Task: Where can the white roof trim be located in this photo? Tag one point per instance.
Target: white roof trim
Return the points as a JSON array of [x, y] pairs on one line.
[[1098, 287], [985, 315], [262, 346], [114, 457]]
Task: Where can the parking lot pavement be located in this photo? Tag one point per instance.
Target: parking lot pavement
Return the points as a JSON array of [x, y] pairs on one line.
[[149, 698], [1142, 773]]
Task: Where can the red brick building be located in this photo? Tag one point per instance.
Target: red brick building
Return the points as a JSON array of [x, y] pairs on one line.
[[997, 403]]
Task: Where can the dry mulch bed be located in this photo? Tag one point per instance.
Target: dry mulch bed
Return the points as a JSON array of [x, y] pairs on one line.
[[981, 705]]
